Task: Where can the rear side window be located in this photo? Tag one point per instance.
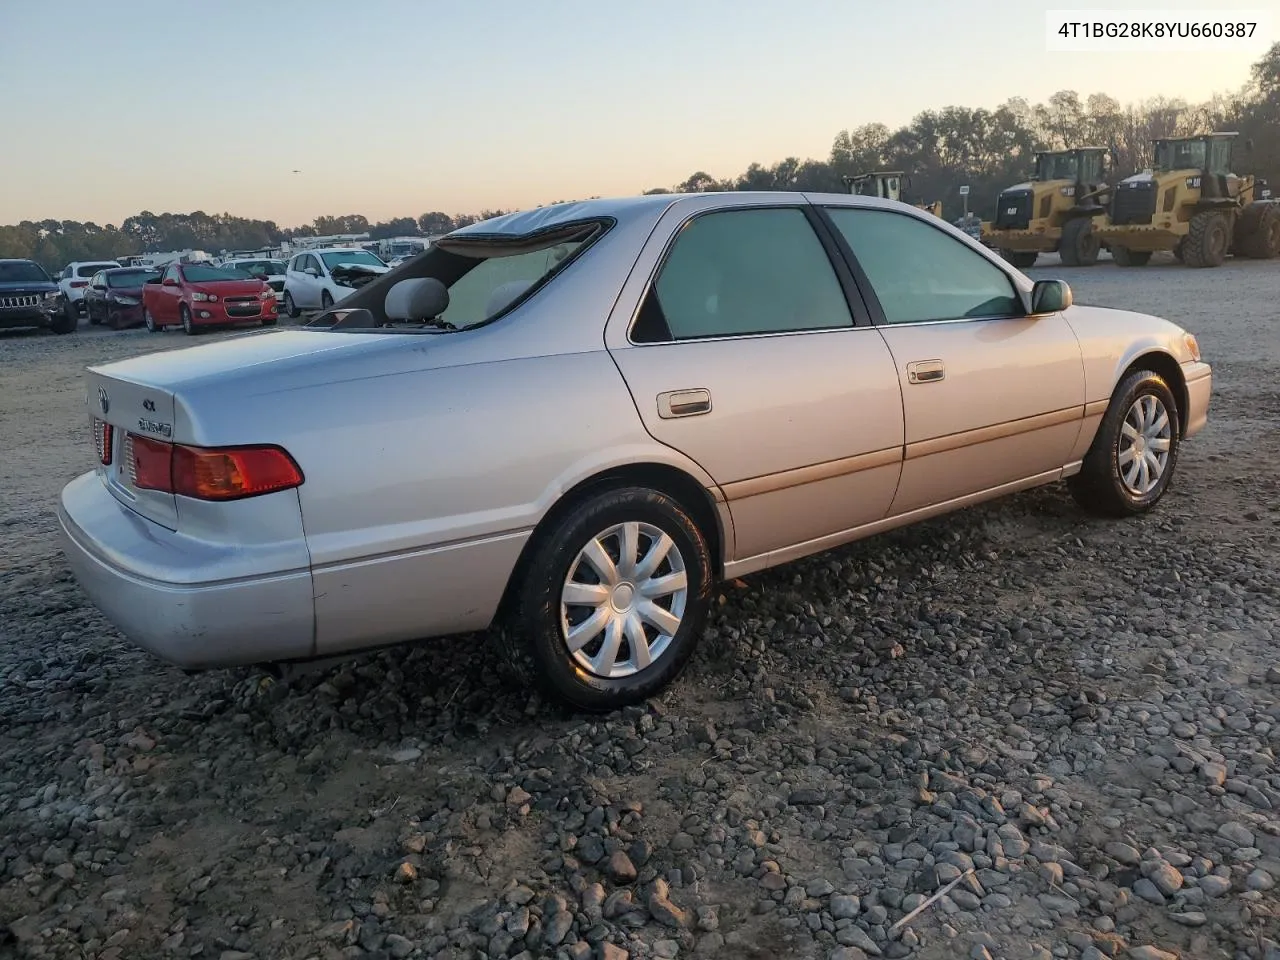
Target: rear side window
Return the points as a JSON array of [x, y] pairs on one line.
[[88, 270], [741, 272], [920, 274]]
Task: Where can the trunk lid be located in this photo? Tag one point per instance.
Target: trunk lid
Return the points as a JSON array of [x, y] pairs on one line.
[[130, 409]]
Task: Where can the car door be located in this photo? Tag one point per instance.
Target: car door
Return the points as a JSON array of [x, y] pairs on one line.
[[310, 283], [293, 280], [992, 396], [170, 294], [94, 296], [737, 337]]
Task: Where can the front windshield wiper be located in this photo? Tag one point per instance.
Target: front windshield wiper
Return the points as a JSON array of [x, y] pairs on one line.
[[432, 323]]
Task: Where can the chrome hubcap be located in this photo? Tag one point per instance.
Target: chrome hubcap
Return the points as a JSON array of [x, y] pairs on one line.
[[1146, 437], [623, 600]]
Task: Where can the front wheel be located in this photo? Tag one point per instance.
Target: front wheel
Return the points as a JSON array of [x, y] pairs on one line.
[[1132, 458], [326, 300], [188, 325], [613, 600], [290, 307], [61, 324], [149, 321], [1079, 245], [1124, 257]]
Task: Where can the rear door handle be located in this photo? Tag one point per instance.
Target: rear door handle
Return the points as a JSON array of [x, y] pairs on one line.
[[683, 403], [926, 371]]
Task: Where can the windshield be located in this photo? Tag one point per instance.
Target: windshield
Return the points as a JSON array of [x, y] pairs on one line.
[[201, 274], [363, 257], [131, 278], [1056, 166], [1180, 155], [258, 268], [22, 271]]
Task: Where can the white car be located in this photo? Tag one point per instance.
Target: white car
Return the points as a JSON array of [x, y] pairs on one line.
[[272, 271], [74, 280], [318, 279]]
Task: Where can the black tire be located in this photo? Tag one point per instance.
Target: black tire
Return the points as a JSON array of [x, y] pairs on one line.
[[62, 324], [71, 314], [1177, 250], [93, 321], [188, 325], [1207, 240], [149, 321], [533, 633], [1100, 487], [1258, 231], [1021, 258], [290, 307], [1124, 257], [1079, 245], [326, 301]]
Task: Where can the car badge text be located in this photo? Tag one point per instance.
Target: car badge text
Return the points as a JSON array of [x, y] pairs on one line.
[[151, 426], [103, 401]]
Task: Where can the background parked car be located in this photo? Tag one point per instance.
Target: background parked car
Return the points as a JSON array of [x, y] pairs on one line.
[[29, 297], [198, 295], [75, 280], [114, 297], [272, 271], [318, 279]]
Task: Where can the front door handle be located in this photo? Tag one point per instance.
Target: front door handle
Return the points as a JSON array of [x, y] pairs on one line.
[[683, 403], [926, 371]]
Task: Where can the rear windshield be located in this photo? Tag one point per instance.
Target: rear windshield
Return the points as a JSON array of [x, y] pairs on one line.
[[485, 276], [131, 278], [22, 271], [202, 274], [89, 269]]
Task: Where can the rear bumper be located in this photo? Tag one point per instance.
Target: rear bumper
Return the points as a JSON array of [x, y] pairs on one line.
[[1199, 379], [117, 556]]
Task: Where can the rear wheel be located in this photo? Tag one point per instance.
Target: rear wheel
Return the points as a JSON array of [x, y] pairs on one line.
[[1259, 230], [1079, 245], [1124, 257], [1132, 458], [1021, 258], [188, 325], [1207, 240], [612, 601]]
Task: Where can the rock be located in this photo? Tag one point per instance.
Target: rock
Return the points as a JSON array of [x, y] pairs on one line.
[[621, 869], [1150, 953], [611, 951], [1214, 886], [1260, 880], [1166, 878], [1124, 853], [1214, 773], [667, 913], [398, 946], [847, 953], [557, 927], [844, 907], [1236, 833]]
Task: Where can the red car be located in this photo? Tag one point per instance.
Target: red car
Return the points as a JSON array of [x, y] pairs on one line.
[[200, 295]]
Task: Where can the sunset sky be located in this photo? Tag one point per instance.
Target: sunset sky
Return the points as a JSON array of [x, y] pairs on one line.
[[397, 107]]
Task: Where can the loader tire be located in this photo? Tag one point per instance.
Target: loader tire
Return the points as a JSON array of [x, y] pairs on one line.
[[1258, 231], [1207, 240], [1124, 257], [1079, 245], [1020, 258]]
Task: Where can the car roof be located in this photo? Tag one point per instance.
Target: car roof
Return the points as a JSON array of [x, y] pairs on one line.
[[16, 260]]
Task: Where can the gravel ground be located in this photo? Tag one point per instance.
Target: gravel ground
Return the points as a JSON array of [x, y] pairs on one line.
[[1069, 725]]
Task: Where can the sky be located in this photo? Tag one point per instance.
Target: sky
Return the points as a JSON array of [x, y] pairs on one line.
[[398, 107]]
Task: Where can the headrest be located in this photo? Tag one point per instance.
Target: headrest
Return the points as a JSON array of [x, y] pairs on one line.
[[418, 298], [505, 295]]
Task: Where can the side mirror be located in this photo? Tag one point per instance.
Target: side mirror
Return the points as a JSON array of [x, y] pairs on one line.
[[1050, 296], [311, 272], [169, 282], [99, 286], [154, 280]]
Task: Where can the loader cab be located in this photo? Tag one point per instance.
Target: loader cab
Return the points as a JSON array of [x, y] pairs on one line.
[[886, 184], [1206, 160], [1081, 166]]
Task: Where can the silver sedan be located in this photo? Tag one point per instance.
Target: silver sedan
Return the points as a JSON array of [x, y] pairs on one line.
[[565, 425]]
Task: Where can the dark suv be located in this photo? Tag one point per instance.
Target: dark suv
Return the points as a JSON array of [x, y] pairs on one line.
[[28, 298]]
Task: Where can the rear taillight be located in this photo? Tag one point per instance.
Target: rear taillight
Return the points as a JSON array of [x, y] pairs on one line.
[[102, 437], [209, 473]]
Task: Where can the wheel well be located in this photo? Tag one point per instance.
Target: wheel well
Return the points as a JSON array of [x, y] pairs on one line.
[[1171, 371], [675, 483]]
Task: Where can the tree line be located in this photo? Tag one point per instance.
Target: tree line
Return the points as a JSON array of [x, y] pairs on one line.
[[940, 150]]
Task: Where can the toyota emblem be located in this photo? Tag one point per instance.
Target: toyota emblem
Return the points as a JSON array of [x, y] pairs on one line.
[[103, 401]]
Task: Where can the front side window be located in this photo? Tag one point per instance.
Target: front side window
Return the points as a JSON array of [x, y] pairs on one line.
[[172, 273], [742, 272], [132, 278], [920, 274]]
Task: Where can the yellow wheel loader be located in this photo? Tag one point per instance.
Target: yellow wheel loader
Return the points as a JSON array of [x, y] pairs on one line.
[[1056, 211], [1191, 204], [888, 185]]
